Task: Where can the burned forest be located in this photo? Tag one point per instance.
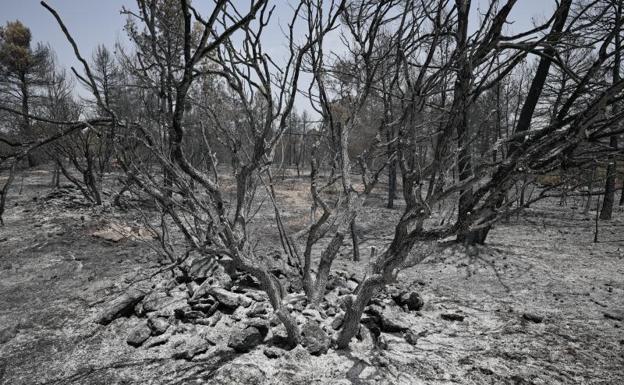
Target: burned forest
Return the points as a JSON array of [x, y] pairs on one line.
[[312, 192]]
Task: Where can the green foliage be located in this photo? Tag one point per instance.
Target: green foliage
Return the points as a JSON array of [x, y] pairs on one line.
[[15, 53]]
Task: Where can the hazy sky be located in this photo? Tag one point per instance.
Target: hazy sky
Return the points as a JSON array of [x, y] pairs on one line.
[[93, 22]]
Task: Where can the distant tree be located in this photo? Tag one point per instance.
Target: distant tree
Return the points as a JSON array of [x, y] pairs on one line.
[[108, 79], [79, 150], [22, 68]]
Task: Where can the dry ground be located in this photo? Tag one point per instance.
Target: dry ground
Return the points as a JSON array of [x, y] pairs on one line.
[[54, 277]]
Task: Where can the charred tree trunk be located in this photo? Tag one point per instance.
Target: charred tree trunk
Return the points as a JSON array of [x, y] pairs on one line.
[[56, 176], [355, 242], [460, 107], [392, 171], [5, 190], [609, 193], [327, 258], [392, 184], [590, 189], [383, 272], [26, 127], [609, 197]]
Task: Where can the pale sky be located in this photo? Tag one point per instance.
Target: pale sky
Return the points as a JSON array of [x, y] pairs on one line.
[[94, 22]]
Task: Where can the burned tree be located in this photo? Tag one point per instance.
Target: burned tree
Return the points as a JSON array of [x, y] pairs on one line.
[[264, 96]]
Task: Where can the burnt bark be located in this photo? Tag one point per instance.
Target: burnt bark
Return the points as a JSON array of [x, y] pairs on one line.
[[355, 242], [460, 107], [5, 190], [609, 193], [26, 126], [609, 197]]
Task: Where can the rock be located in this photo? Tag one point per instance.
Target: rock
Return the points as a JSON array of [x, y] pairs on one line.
[[372, 324], [412, 338], [536, 318], [315, 340], [191, 347], [221, 278], [298, 354], [239, 314], [295, 299], [246, 339], [245, 301], [162, 303], [388, 320], [157, 340], [257, 310], [138, 335], [300, 318], [187, 314], [412, 300], [228, 265], [343, 291], [273, 352], [312, 314], [256, 295], [365, 335], [225, 297], [260, 324], [274, 320], [206, 305], [218, 279], [182, 328], [280, 337], [393, 324], [351, 285], [247, 281], [336, 281], [337, 322], [452, 317], [157, 325], [202, 321], [120, 306]]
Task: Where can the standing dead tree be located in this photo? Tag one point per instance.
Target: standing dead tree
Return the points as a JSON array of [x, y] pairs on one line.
[[264, 93], [478, 65], [19, 150]]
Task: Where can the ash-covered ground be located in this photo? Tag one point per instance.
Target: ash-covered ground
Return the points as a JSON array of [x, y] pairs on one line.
[[539, 304]]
